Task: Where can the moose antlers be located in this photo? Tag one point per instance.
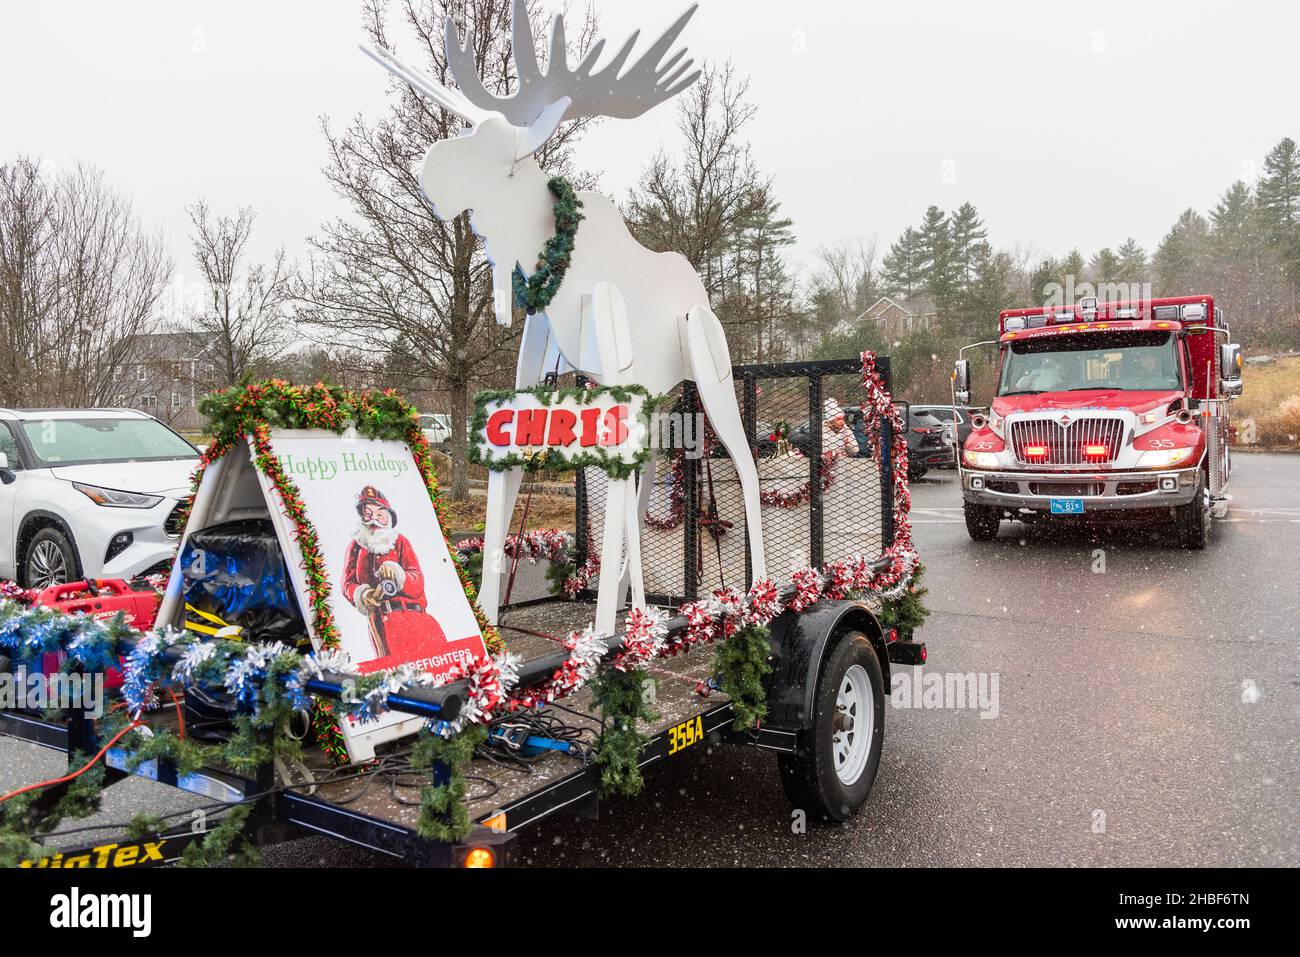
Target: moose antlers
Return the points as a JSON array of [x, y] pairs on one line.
[[649, 81]]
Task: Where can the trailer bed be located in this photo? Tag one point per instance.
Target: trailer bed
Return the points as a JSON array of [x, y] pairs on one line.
[[554, 781]]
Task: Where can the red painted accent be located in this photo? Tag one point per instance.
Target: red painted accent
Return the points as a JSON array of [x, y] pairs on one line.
[[530, 427], [1182, 437], [561, 432], [590, 419], [615, 426], [496, 424]]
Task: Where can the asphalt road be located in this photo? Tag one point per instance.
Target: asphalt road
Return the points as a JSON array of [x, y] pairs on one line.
[[1146, 714]]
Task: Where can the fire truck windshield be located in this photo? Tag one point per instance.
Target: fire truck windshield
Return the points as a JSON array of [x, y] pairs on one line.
[[1133, 361]]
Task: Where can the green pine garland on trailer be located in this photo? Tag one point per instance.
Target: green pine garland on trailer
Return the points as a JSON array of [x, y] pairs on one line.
[[623, 700], [443, 815], [740, 663]]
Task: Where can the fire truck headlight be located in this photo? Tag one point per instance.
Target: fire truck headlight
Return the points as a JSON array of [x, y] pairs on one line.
[[1164, 458], [980, 460]]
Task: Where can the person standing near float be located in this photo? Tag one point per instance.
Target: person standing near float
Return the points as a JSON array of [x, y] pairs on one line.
[[383, 581], [837, 437]]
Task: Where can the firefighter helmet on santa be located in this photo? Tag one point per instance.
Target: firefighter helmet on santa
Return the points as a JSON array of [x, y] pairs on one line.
[[372, 496]]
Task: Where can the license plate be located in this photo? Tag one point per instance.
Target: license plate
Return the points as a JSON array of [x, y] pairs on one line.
[[1066, 506], [685, 734]]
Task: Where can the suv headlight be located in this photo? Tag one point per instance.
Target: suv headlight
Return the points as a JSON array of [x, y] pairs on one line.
[[112, 498], [1163, 458]]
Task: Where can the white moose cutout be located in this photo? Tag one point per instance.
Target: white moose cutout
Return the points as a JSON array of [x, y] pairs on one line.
[[623, 313]]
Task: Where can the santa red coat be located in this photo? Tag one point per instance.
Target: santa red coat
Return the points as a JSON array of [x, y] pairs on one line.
[[400, 621]]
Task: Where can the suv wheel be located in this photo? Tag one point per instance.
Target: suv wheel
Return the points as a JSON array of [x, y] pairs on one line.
[[50, 560]]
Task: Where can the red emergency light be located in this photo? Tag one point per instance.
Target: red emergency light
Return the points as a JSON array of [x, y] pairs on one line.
[[1096, 451], [1035, 451]]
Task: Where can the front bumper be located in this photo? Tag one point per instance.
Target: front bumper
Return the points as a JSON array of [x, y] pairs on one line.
[[151, 544], [1100, 491]]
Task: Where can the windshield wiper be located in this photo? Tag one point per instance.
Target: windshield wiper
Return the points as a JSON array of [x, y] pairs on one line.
[[1022, 392]]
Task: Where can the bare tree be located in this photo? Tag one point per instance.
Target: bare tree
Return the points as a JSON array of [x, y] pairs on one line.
[[695, 199], [80, 287], [245, 307], [394, 285]]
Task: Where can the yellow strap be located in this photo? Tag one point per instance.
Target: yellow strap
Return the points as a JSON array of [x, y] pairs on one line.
[[221, 628]]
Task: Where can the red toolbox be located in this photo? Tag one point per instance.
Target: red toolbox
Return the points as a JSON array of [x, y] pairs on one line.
[[100, 598]]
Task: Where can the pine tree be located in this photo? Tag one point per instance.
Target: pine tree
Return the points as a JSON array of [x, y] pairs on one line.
[[1180, 260], [1279, 189], [1133, 265], [967, 232], [1104, 267], [1278, 199], [936, 259], [903, 274]]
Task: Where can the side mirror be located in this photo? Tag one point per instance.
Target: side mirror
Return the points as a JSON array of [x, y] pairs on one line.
[[961, 381], [1230, 362], [6, 476]]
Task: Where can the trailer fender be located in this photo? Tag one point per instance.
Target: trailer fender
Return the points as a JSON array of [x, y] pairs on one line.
[[800, 643]]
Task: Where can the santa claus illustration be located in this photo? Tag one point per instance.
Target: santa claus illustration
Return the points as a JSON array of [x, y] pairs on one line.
[[383, 581]]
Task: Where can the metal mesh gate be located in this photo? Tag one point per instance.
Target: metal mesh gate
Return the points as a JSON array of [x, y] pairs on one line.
[[816, 509]]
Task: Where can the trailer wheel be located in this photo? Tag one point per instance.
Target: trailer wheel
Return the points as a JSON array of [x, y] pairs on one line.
[[982, 521], [1194, 522], [831, 772]]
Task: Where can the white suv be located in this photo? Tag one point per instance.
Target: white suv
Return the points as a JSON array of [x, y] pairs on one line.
[[89, 493]]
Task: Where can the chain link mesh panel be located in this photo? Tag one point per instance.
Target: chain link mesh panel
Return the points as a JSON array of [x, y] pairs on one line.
[[825, 493]]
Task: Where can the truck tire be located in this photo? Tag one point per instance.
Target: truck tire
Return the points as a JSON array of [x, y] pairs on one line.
[[831, 772], [49, 559], [982, 521], [1193, 522]]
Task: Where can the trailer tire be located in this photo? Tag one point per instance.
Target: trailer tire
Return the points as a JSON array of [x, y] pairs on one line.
[[831, 772], [982, 521]]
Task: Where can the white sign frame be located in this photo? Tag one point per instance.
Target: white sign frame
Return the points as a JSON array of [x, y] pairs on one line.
[[233, 488]]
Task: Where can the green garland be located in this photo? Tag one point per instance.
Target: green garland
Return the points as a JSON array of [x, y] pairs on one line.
[[907, 612], [443, 814], [19, 821], [534, 293], [621, 699], [740, 664], [535, 462], [253, 410]]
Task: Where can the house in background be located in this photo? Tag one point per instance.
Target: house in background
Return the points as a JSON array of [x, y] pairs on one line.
[[899, 318], [173, 373]]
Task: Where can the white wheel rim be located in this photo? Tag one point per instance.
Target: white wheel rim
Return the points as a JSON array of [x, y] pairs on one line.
[[855, 718]]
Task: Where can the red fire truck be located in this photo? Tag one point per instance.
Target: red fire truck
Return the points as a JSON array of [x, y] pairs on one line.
[[1104, 412]]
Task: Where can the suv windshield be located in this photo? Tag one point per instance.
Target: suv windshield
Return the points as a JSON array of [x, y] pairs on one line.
[[93, 441], [1134, 361]]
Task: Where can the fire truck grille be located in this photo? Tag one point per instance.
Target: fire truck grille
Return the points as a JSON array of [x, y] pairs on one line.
[[1087, 441]]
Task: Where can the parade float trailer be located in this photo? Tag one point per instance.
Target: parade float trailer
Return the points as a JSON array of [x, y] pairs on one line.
[[337, 665]]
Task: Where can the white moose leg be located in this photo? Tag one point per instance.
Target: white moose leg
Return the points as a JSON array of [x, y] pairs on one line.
[[614, 345], [503, 487], [706, 349]]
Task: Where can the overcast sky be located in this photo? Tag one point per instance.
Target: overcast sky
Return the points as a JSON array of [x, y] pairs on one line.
[[1067, 124]]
